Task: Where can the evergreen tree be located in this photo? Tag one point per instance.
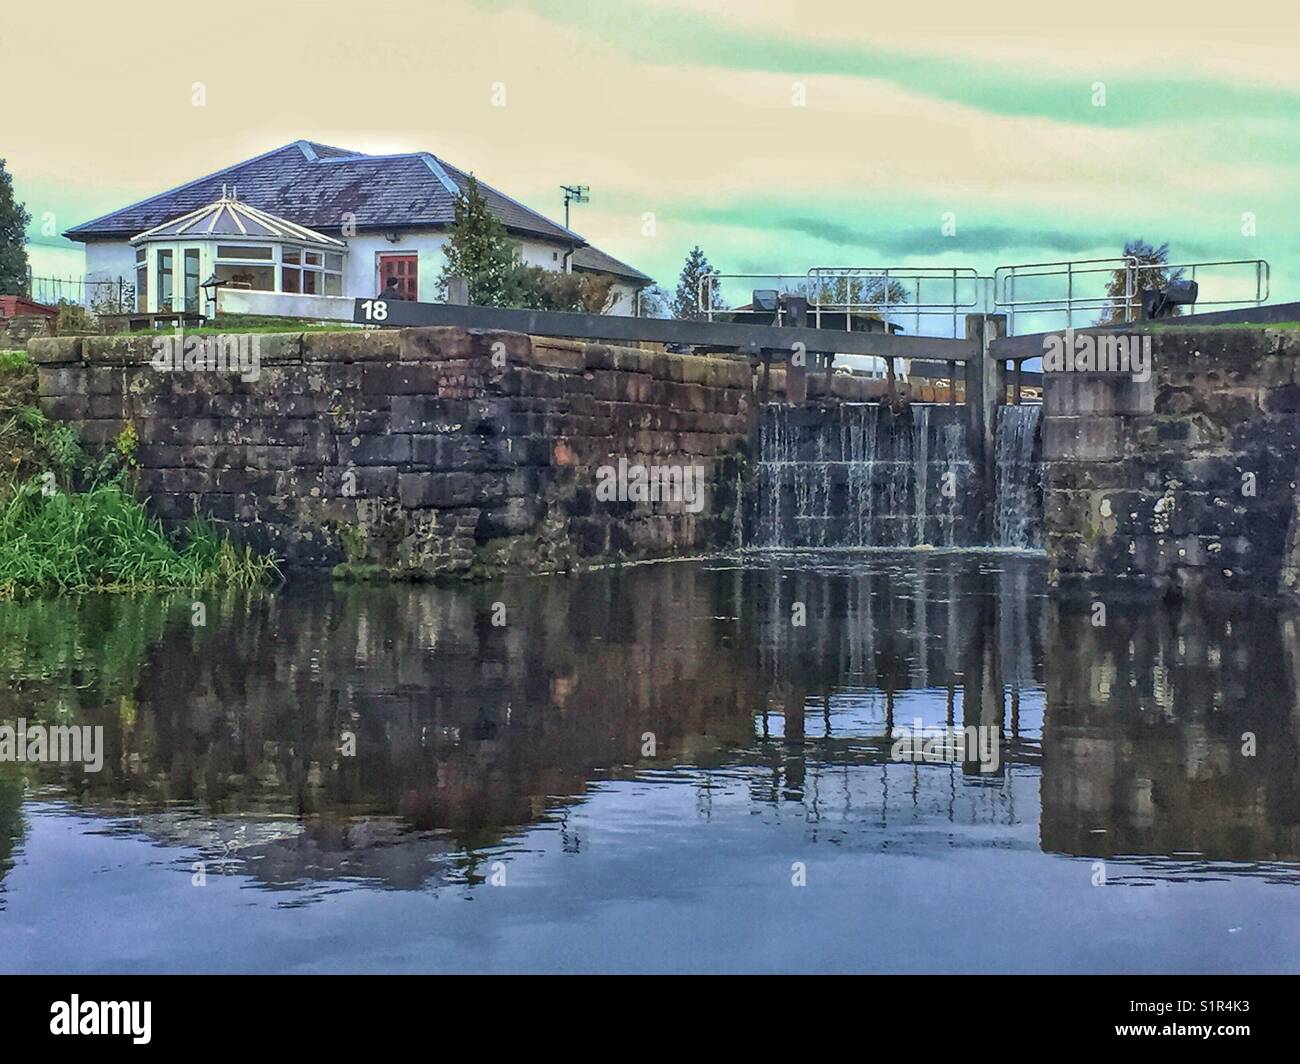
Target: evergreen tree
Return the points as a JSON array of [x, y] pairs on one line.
[[1152, 272], [480, 250], [686, 303], [13, 238]]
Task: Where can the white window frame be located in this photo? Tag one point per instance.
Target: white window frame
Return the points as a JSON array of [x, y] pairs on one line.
[[301, 267]]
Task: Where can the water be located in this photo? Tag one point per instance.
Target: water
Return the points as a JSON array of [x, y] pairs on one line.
[[1018, 507], [517, 755], [859, 475]]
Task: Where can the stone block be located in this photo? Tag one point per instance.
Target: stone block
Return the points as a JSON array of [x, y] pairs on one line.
[[352, 345], [412, 378], [1084, 439], [394, 449], [439, 490], [119, 350], [566, 356], [54, 350]]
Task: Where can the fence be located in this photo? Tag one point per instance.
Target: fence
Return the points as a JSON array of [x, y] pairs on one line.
[[1035, 296], [1031, 293], [103, 295], [858, 297]]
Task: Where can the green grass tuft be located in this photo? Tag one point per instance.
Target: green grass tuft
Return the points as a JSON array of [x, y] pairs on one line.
[[104, 540]]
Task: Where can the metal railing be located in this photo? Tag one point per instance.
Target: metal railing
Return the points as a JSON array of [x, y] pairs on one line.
[[708, 291], [1010, 284], [879, 285], [105, 295], [891, 295]]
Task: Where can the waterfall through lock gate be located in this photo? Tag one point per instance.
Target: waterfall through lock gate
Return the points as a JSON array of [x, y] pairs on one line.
[[862, 475], [1018, 505]]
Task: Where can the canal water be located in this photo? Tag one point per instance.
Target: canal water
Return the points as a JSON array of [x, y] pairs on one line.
[[690, 766]]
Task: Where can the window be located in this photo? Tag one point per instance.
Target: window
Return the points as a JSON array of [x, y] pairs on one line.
[[312, 273], [257, 278], [165, 280], [191, 260], [142, 287], [245, 252], [248, 266]]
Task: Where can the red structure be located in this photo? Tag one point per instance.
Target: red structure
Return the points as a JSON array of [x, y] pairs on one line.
[[15, 306]]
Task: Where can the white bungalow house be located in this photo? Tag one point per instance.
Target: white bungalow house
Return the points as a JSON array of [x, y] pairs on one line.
[[309, 219]]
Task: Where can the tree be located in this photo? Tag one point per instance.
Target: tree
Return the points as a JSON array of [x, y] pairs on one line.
[[865, 293], [655, 302], [479, 250], [13, 238], [1150, 271], [686, 303]]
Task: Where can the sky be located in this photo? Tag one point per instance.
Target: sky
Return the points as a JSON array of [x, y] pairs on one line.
[[777, 136]]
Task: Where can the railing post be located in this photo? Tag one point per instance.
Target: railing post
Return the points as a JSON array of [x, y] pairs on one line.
[[985, 391], [1069, 308]]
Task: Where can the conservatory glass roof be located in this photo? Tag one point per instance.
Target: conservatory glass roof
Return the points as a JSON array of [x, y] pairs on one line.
[[228, 218]]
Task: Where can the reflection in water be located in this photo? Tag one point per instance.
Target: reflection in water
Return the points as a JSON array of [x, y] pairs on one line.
[[1172, 732], [653, 746]]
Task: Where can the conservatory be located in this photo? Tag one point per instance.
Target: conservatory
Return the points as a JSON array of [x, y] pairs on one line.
[[228, 244]]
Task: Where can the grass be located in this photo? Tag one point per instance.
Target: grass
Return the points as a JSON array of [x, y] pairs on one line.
[[103, 539], [13, 360], [1175, 324], [252, 323], [54, 537]]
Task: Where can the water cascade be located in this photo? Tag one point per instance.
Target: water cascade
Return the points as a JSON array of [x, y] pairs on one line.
[[862, 475], [1018, 505]]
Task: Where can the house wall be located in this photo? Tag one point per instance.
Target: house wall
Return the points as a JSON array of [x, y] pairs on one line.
[[107, 260], [361, 270], [541, 253], [624, 299]]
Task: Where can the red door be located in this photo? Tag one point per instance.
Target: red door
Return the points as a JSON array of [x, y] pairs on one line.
[[405, 270]]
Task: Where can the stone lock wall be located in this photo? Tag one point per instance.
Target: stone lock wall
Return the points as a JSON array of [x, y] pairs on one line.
[[1184, 483], [420, 452]]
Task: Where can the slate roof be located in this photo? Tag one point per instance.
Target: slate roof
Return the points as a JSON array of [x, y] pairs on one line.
[[316, 184], [591, 258]]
